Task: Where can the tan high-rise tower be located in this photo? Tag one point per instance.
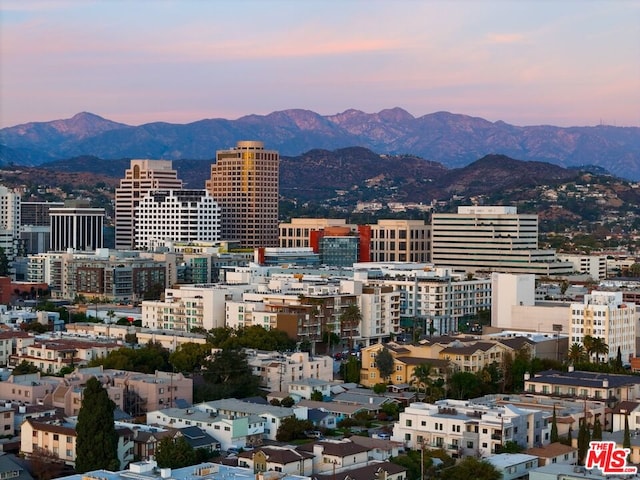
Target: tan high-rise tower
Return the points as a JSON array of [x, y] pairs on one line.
[[142, 177], [244, 182]]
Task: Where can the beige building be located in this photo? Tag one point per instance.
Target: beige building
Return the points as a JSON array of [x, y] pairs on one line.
[[244, 181], [30, 388], [59, 438], [400, 241], [141, 177], [298, 232]]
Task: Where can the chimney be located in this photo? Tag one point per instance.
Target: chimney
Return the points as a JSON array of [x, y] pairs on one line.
[[605, 383], [165, 472], [527, 376], [371, 400]]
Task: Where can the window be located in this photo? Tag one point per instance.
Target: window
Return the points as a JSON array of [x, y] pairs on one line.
[[408, 423]]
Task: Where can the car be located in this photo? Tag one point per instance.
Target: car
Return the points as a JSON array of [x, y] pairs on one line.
[[313, 434]]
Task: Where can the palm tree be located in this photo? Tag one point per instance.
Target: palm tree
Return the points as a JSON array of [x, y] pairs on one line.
[[422, 378], [576, 353], [587, 341], [599, 348]]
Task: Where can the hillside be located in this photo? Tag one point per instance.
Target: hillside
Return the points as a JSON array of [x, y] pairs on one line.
[[453, 140]]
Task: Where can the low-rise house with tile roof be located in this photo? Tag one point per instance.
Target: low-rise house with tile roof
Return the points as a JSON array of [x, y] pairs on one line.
[[375, 470], [10, 468], [474, 356], [379, 449], [321, 419], [554, 453], [9, 341], [278, 459], [336, 455], [631, 410]]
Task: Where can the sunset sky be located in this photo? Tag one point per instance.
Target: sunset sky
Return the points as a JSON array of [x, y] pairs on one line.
[[555, 62]]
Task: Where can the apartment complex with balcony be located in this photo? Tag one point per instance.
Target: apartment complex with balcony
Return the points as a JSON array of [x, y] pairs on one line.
[[463, 428]]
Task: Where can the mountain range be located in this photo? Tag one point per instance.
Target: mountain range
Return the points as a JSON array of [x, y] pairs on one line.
[[453, 140]]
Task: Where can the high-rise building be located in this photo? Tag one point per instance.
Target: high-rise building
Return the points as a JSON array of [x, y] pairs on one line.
[[141, 177], [244, 182], [492, 238], [176, 215], [9, 221], [35, 228], [76, 226], [400, 241]]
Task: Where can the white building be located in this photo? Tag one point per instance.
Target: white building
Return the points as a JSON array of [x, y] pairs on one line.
[[605, 315], [140, 178], [76, 226], [492, 238], [176, 215], [400, 241], [380, 309], [9, 221], [276, 370], [465, 428], [190, 306], [438, 299], [513, 465], [593, 265]]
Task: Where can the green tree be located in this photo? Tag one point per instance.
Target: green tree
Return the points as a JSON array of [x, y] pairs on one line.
[[569, 440], [380, 388], [599, 348], [287, 402], [189, 357], [618, 366], [384, 362], [175, 453], [577, 354], [583, 440], [292, 428], [97, 441], [421, 378], [350, 319], [626, 441], [317, 396], [597, 429], [554, 427], [510, 446], [463, 385], [24, 368], [471, 467], [227, 375], [350, 370]]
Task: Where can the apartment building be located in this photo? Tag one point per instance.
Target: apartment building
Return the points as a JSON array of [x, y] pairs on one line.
[[607, 387], [437, 300], [59, 438], [277, 371], [606, 316], [463, 428], [142, 177], [190, 306], [380, 309], [52, 354], [9, 342], [176, 215], [405, 359], [492, 238], [244, 182], [27, 389]]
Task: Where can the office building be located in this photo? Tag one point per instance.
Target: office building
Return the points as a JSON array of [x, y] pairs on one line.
[[400, 241], [176, 215], [76, 226], [297, 233], [244, 182], [492, 238], [141, 177]]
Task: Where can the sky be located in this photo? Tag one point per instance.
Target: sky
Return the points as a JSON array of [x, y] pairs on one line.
[[554, 62]]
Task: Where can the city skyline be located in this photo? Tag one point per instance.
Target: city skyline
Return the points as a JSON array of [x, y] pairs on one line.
[[568, 63]]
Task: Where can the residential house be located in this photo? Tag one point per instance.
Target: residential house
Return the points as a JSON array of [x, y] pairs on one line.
[[554, 453], [375, 470], [336, 456], [278, 459], [513, 465], [306, 387]]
